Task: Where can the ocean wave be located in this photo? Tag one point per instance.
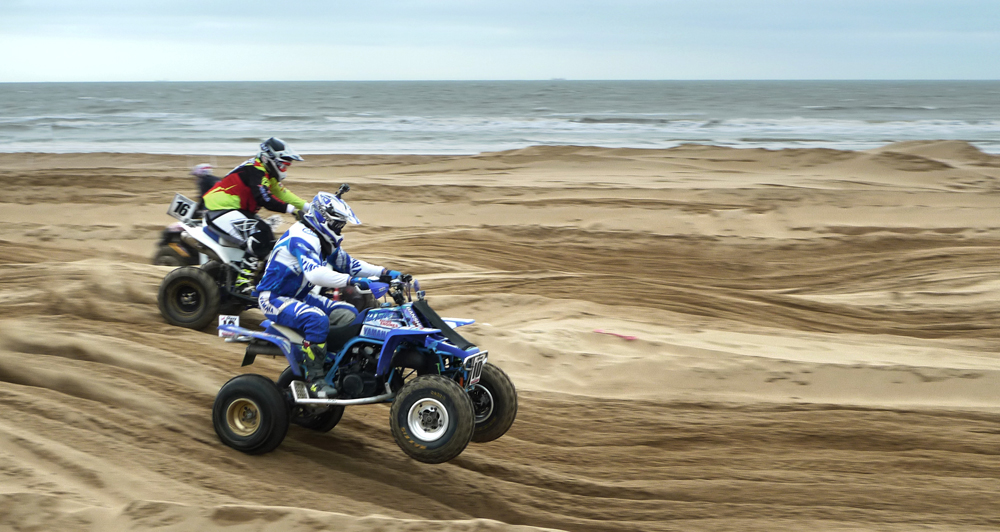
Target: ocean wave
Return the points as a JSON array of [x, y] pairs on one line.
[[288, 118], [825, 107], [467, 117], [623, 120], [869, 106], [109, 100], [903, 107]]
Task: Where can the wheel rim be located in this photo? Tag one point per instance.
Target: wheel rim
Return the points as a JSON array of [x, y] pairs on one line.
[[187, 298], [243, 417], [482, 402], [428, 419]]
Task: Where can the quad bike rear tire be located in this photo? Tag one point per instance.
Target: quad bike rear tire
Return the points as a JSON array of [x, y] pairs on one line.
[[166, 256], [228, 305], [494, 401], [189, 297], [250, 415], [306, 416], [432, 419]]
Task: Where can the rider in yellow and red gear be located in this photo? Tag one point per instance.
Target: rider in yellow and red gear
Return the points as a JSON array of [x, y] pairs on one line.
[[234, 201]]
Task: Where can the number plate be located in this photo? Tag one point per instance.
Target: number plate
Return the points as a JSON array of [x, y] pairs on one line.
[[228, 320], [475, 365], [182, 208]]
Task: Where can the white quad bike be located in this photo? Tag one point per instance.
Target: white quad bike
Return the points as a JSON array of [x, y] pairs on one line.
[[193, 296]]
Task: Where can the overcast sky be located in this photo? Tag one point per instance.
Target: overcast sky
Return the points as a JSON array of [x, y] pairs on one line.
[[195, 40]]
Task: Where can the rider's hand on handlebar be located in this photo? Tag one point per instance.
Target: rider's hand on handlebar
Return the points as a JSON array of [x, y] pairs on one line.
[[390, 275], [274, 221], [361, 283]]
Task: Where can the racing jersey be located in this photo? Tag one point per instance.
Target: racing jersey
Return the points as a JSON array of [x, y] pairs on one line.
[[248, 188], [296, 265]]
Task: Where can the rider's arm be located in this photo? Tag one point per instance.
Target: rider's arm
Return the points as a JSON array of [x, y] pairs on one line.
[[279, 191], [257, 182], [313, 268], [340, 261]]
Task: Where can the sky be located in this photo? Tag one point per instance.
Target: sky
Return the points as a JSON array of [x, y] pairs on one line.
[[230, 40]]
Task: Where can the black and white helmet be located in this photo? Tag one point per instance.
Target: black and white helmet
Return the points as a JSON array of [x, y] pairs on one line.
[[277, 157]]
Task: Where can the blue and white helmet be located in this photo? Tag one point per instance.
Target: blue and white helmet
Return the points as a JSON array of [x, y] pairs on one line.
[[277, 157], [328, 215]]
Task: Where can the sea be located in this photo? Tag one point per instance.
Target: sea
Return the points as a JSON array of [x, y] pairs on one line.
[[469, 117]]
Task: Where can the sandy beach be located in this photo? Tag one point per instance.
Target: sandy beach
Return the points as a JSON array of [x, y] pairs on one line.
[[816, 345]]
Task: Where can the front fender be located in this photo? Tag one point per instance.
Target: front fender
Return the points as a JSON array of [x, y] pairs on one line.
[[428, 338], [391, 339], [455, 323]]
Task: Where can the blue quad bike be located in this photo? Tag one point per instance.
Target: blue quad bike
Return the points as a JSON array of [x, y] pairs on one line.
[[444, 393]]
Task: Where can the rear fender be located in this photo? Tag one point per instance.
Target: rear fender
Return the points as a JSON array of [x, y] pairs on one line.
[[224, 254], [283, 343]]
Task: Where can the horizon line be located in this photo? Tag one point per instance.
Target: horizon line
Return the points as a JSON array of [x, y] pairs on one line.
[[523, 80]]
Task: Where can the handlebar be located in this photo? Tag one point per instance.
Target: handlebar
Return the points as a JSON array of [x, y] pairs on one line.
[[400, 291]]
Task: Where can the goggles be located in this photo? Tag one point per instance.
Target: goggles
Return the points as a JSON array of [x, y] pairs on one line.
[[336, 226], [333, 220]]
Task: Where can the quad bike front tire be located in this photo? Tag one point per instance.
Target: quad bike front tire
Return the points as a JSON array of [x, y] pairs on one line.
[[494, 401], [189, 297], [250, 415], [310, 417], [432, 419]]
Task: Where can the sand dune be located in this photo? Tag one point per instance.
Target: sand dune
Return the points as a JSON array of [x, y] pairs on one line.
[[816, 345]]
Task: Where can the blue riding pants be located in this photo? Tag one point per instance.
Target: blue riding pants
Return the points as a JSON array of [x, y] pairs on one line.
[[310, 317]]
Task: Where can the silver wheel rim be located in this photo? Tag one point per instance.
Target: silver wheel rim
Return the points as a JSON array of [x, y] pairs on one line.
[[483, 416], [428, 419]]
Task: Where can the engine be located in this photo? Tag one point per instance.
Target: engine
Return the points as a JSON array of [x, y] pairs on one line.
[[356, 375]]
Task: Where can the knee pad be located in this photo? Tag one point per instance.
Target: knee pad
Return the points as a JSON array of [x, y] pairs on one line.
[[260, 243]]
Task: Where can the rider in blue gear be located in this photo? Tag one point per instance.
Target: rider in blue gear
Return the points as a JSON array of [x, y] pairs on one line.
[[308, 255]]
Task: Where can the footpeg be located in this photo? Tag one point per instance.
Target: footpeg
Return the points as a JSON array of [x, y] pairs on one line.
[[299, 391]]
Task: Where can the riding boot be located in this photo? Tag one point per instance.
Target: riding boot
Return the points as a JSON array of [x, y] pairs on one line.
[[248, 270], [314, 355]]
